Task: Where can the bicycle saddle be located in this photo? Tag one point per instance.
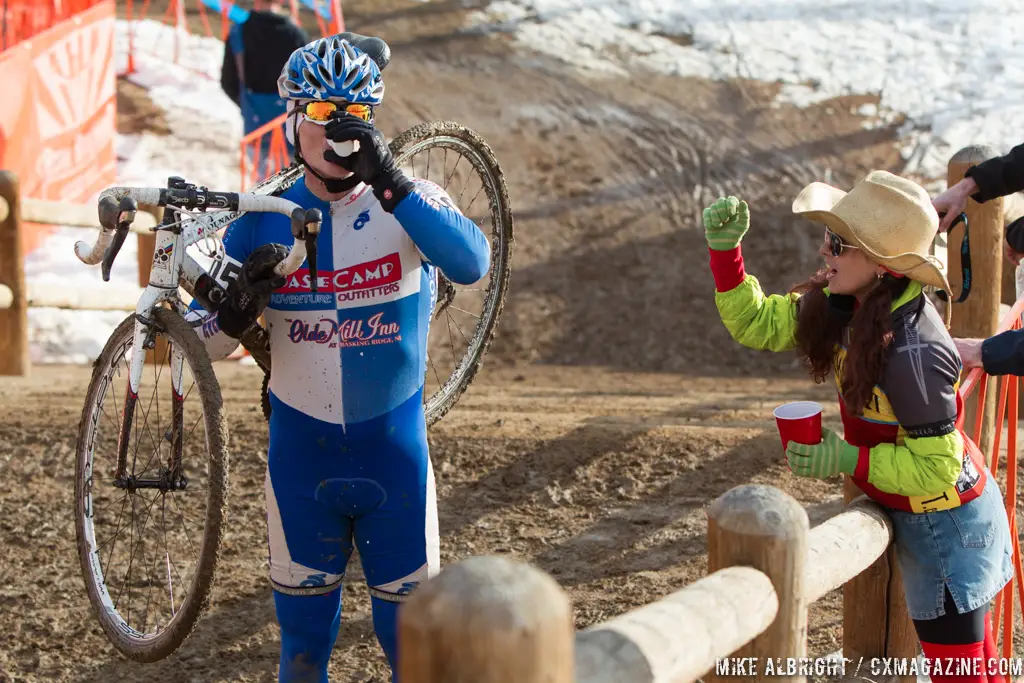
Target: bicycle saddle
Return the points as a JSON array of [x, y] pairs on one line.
[[378, 50]]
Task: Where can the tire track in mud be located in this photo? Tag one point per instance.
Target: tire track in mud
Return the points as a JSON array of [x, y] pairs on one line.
[[630, 252], [649, 165], [673, 154]]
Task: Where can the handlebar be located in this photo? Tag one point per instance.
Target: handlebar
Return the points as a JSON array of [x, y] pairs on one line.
[[117, 207]]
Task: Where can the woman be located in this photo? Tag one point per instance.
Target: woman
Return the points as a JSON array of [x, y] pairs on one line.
[[864, 319]]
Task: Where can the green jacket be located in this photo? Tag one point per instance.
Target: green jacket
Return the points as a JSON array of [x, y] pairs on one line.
[[908, 426]]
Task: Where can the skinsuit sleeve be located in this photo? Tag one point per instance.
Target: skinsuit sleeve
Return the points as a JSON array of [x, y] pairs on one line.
[[238, 244], [444, 237], [920, 382], [753, 319]]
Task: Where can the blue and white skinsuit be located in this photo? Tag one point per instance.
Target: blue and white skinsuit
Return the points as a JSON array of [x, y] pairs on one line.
[[348, 459]]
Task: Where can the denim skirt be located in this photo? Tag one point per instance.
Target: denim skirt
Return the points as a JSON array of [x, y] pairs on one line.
[[966, 549]]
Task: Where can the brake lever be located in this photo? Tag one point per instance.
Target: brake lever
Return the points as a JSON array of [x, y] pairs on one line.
[[312, 226], [120, 219], [306, 226]]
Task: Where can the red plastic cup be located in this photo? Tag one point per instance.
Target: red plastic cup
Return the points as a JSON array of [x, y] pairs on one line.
[[799, 421]]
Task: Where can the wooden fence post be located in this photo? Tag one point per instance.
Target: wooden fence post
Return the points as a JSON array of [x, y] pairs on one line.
[[14, 358], [979, 315], [487, 620], [765, 528], [875, 618]]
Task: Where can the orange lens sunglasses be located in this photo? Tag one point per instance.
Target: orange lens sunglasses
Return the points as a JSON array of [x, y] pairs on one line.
[[320, 112]]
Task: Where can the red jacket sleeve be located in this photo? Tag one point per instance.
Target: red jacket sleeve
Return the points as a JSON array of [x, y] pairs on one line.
[[727, 268]]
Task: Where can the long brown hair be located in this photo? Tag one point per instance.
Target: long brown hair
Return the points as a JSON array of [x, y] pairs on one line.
[[820, 329]]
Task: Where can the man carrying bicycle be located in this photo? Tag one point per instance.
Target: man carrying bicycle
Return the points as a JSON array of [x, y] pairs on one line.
[[348, 464]]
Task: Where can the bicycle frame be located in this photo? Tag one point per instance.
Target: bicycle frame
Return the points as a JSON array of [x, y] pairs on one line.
[[172, 268]]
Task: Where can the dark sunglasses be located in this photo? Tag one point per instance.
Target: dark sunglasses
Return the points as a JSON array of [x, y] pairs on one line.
[[836, 243]]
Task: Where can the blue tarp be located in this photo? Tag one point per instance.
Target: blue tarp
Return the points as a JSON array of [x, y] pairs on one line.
[[237, 15]]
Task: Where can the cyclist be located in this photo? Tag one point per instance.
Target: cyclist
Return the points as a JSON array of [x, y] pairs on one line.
[[865, 320], [348, 465]]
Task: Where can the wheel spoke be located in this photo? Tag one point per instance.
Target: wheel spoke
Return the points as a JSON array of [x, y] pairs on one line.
[[436, 376], [425, 140], [451, 341], [116, 533], [187, 536], [452, 320], [466, 312]]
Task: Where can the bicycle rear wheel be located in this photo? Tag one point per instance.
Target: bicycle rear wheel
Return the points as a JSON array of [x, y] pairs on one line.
[[434, 151], [134, 477]]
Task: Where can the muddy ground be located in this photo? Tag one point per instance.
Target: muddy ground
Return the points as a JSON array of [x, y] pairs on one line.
[[596, 476], [612, 406]]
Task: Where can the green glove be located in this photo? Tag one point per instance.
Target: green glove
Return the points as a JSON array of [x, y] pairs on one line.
[[826, 459], [725, 223]]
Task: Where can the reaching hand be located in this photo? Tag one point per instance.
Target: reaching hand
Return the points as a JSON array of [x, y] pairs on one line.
[[951, 203], [970, 352], [725, 223], [823, 460]]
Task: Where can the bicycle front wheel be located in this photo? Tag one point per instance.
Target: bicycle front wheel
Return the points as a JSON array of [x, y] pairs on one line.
[[150, 483]]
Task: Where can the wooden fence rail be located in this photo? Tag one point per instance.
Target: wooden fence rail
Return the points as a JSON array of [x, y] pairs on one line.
[[490, 619], [679, 637], [17, 296]]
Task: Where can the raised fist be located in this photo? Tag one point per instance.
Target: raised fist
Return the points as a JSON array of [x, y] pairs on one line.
[[725, 223]]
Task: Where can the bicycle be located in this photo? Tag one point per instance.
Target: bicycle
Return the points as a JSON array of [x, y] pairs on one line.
[[161, 326]]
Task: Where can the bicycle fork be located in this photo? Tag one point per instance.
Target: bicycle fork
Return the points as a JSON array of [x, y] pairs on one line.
[[170, 476]]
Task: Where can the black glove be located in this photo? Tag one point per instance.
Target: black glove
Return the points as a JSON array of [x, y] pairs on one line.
[[372, 163], [1014, 234], [249, 293]]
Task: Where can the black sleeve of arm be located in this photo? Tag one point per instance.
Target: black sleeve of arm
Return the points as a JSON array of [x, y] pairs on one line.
[[999, 176], [229, 74], [300, 36], [1003, 354]]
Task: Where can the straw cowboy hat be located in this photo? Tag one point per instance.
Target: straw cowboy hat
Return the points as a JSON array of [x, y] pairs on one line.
[[891, 219]]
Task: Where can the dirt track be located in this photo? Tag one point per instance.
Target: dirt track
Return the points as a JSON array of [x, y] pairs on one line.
[[612, 406], [599, 478]]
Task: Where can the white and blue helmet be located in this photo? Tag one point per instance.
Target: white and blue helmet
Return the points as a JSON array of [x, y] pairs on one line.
[[331, 69]]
